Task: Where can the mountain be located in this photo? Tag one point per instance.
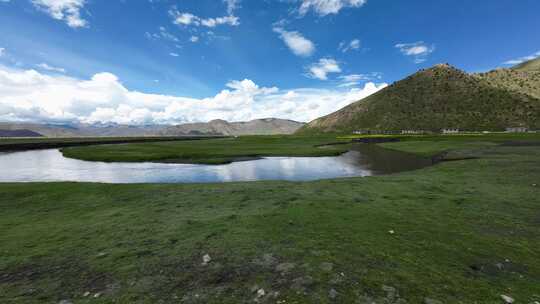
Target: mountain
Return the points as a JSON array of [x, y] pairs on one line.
[[266, 126], [19, 133], [78, 130], [442, 97], [531, 65], [523, 78]]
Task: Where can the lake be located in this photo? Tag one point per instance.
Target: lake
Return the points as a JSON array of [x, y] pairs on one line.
[[50, 165]]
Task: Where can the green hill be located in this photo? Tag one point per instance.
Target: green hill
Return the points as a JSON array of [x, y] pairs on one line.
[[531, 65], [523, 78], [437, 98]]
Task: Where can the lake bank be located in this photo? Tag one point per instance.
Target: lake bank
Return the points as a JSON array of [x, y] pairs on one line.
[[227, 150], [212, 151]]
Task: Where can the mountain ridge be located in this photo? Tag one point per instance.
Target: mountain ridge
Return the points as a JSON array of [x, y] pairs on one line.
[[265, 126]]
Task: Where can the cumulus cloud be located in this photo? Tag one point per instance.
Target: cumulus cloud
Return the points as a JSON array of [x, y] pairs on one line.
[[194, 39], [27, 95], [327, 7], [65, 10], [187, 19], [352, 45], [297, 43], [418, 50], [321, 69], [49, 68], [517, 60]]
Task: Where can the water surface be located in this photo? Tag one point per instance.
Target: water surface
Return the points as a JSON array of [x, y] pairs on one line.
[[50, 165]]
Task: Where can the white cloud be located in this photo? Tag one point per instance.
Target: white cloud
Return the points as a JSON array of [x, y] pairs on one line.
[[163, 34], [353, 45], [232, 5], [354, 79], [297, 43], [184, 18], [27, 95], [327, 7], [522, 59], [174, 54], [49, 68], [65, 10], [187, 19], [418, 50], [213, 22], [194, 39], [321, 69], [166, 35]]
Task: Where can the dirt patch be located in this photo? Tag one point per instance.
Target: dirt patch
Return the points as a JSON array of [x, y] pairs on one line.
[[57, 280], [497, 268], [195, 282]]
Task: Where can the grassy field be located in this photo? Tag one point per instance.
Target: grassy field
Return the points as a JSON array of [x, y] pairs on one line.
[[225, 150], [29, 143], [215, 151], [458, 232]]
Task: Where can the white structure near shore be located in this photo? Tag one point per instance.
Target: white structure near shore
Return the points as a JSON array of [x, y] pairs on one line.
[[450, 131], [517, 130]]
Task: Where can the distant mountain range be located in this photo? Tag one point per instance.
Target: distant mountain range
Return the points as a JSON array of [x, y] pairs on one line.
[[19, 133], [267, 126], [444, 97]]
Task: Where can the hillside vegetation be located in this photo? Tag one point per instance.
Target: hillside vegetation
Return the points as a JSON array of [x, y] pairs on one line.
[[443, 97], [523, 78], [531, 65]]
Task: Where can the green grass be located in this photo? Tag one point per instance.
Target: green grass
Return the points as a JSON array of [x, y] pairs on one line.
[[431, 145], [18, 144], [214, 151], [464, 232]]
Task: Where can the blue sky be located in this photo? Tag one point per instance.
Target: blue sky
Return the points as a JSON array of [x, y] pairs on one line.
[[181, 55]]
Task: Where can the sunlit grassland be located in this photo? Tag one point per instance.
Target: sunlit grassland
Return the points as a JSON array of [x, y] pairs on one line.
[[212, 151], [463, 232]]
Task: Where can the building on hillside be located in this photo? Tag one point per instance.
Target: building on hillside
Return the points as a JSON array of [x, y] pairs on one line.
[[376, 132], [450, 131], [413, 132], [361, 132], [517, 129]]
